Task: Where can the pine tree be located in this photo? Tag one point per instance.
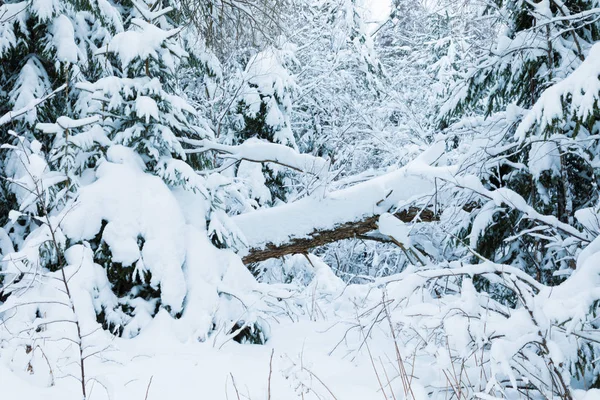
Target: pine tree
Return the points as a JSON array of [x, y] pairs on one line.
[[264, 107], [45, 48], [111, 174], [543, 46]]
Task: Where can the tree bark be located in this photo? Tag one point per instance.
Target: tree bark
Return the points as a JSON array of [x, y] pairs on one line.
[[318, 238]]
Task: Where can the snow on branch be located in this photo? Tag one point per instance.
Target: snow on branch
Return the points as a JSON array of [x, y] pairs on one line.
[[419, 275], [343, 213], [64, 123], [512, 199], [353, 212], [349, 230], [568, 17], [11, 115], [150, 14], [255, 150], [576, 96]]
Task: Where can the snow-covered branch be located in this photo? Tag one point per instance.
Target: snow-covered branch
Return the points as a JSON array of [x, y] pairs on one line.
[[150, 14], [354, 229], [353, 212], [255, 150], [349, 210], [65, 123], [515, 201], [11, 115], [577, 95]]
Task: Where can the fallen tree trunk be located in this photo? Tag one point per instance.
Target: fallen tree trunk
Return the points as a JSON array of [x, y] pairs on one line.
[[343, 231], [342, 214]]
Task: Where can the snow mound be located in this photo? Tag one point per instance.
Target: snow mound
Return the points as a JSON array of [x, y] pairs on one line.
[[134, 204]]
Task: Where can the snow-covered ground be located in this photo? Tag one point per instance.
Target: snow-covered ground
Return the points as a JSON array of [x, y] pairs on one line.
[[157, 363], [392, 338]]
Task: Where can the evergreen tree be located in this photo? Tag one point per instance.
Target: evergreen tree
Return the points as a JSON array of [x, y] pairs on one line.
[[264, 107], [111, 173], [46, 47], [543, 46]]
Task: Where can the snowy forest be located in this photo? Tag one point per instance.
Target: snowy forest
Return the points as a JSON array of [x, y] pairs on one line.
[[299, 199]]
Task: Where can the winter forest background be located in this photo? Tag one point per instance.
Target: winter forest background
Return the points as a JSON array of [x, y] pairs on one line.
[[299, 199]]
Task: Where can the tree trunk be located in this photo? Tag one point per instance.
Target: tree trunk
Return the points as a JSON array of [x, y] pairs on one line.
[[318, 238]]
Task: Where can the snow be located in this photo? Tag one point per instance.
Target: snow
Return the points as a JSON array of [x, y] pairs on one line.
[[31, 86], [150, 15], [257, 150], [301, 218], [184, 371], [16, 13], [269, 82], [589, 218], [374, 197], [252, 174], [587, 394], [391, 226], [318, 341], [146, 107], [120, 154], [64, 40], [379, 12], [135, 204], [112, 15], [544, 156], [27, 170], [144, 43], [343, 327], [65, 123], [483, 219], [580, 90], [45, 9]]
